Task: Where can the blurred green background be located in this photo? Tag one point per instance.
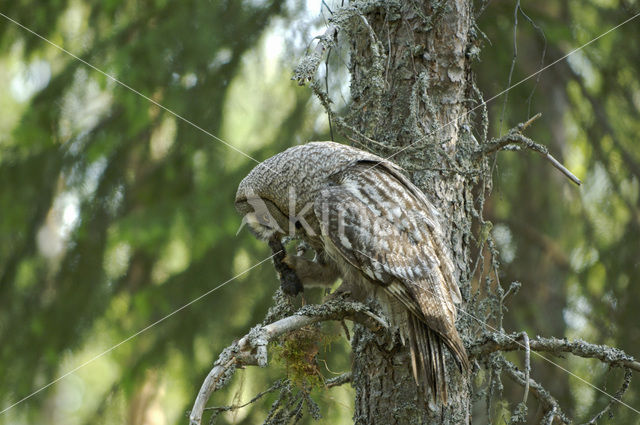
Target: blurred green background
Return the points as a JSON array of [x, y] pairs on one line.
[[114, 213]]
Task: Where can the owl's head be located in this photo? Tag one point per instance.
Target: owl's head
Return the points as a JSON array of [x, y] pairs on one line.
[[263, 199], [277, 196], [263, 216]]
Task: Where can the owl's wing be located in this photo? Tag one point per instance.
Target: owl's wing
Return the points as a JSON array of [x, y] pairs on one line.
[[428, 216], [384, 230]]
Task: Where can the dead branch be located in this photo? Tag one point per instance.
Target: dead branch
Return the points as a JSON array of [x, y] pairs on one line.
[[502, 342], [549, 404], [617, 396], [514, 139], [527, 365], [276, 386], [251, 349], [307, 67], [339, 380], [309, 64]]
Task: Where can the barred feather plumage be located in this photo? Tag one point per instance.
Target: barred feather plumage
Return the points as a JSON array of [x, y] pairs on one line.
[[371, 225]]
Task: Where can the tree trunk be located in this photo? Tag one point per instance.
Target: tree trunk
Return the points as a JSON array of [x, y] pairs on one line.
[[410, 87]]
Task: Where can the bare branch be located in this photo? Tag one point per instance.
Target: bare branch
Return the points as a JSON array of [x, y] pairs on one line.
[[562, 168], [252, 348], [523, 126], [611, 356], [515, 139], [307, 67], [618, 395], [276, 386], [527, 365], [339, 380], [513, 62], [309, 64], [549, 404]]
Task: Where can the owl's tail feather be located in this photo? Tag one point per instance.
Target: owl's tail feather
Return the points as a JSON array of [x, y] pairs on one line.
[[427, 358]]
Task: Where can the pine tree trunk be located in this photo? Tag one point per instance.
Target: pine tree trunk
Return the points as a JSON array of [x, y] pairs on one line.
[[411, 81]]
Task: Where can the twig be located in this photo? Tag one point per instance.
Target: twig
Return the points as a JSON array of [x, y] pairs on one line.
[[276, 386], [346, 330], [339, 380], [306, 69], [515, 138], [618, 395], [324, 3], [513, 62], [527, 365], [251, 349], [544, 52], [523, 126], [562, 169], [549, 404], [513, 289], [326, 86], [612, 356]]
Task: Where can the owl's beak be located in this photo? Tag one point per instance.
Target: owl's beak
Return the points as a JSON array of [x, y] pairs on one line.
[[242, 223]]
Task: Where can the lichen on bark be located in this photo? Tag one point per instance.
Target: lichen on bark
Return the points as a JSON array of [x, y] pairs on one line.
[[414, 101], [410, 85]]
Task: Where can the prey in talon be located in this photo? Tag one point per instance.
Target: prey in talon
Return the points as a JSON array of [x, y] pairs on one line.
[[289, 281]]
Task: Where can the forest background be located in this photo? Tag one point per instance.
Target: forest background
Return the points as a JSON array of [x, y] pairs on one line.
[[115, 212]]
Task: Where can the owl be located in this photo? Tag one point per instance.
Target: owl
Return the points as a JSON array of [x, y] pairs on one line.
[[371, 227]]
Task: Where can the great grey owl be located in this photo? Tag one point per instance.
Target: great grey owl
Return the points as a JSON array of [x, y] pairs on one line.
[[369, 225]]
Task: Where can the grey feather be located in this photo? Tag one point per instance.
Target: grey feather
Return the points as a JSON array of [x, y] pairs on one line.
[[380, 231]]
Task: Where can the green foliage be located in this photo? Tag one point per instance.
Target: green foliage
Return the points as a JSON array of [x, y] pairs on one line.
[[574, 249], [114, 212]]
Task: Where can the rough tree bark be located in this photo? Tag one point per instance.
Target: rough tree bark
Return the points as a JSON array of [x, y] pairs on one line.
[[410, 85], [414, 101]]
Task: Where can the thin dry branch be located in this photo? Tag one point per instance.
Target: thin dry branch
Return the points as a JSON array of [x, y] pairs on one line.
[[339, 380], [527, 365], [611, 356], [515, 139], [305, 71], [617, 396], [251, 349], [307, 67], [276, 386], [549, 404]]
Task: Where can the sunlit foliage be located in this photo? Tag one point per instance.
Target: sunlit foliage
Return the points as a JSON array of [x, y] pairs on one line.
[[115, 212]]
